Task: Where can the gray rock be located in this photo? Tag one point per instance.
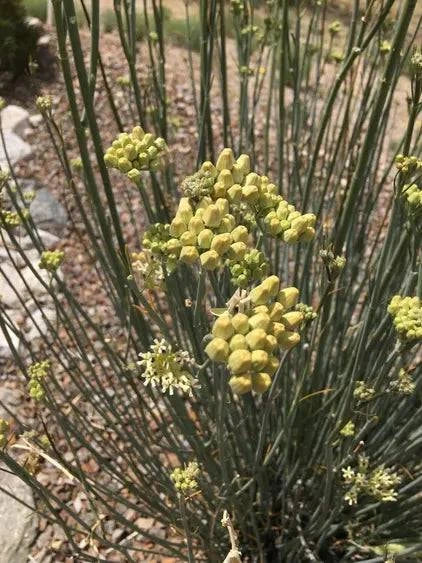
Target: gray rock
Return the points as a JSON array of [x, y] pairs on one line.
[[16, 149], [7, 354], [35, 120], [39, 325], [48, 213], [11, 398], [9, 278], [14, 119], [17, 522], [49, 240]]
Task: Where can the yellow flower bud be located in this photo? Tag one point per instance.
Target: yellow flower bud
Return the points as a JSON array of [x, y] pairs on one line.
[[196, 225], [124, 164], [138, 133], [278, 329], [260, 309], [225, 160], [223, 327], [299, 224], [257, 339], [289, 339], [235, 193], [272, 189], [238, 250], [240, 322], [307, 235], [221, 243], [110, 160], [252, 178], [292, 319], [174, 246], [272, 365], [205, 238], [244, 163], [189, 254], [223, 205], [130, 152], [237, 173], [240, 234], [238, 342], [271, 343], [293, 214], [261, 382], [240, 384], [260, 320], [288, 297], [227, 224], [290, 236], [226, 178], [217, 350], [212, 216], [185, 211], [209, 167], [310, 219], [188, 238], [205, 202], [177, 227], [250, 193], [259, 359], [273, 226], [272, 284], [219, 190], [240, 361], [147, 140], [259, 295], [282, 210], [210, 260]]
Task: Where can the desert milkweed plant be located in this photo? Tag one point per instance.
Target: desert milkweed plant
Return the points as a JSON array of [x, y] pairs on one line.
[[262, 352]]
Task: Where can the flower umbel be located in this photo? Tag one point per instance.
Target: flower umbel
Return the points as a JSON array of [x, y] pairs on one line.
[[378, 483], [166, 369], [185, 480], [37, 373]]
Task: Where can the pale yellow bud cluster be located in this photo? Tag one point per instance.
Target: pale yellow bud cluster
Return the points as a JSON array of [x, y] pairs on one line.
[[132, 152], [407, 317], [248, 341], [220, 205], [206, 232]]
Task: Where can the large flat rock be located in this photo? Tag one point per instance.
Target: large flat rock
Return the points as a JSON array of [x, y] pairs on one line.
[[16, 148], [14, 119], [18, 523]]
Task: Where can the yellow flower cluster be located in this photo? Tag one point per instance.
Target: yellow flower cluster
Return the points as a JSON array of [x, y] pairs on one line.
[[408, 164], [37, 372], [185, 479], [51, 260], [207, 232], [132, 152], [248, 340], [407, 317], [413, 196], [219, 201]]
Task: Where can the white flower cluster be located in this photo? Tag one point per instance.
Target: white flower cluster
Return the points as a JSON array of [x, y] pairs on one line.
[[378, 483], [166, 369]]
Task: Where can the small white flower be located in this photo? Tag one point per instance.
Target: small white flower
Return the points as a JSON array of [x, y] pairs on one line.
[[166, 369]]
